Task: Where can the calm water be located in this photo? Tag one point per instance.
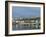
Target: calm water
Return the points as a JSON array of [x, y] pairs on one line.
[[25, 27]]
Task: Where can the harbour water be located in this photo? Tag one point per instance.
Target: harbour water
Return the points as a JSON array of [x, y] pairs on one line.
[[25, 27]]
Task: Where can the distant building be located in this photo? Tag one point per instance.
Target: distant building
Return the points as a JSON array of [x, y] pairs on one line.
[[28, 23]]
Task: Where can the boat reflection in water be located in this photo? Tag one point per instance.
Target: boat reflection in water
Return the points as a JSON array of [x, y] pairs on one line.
[[26, 23]]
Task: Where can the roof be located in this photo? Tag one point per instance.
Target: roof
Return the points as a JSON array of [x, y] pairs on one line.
[[32, 18]]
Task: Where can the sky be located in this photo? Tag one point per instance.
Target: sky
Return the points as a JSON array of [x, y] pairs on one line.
[[25, 11]]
